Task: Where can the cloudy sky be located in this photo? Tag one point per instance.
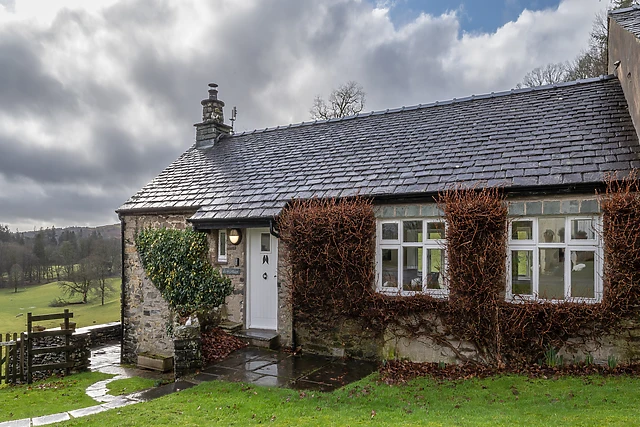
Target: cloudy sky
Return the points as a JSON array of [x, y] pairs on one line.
[[97, 97]]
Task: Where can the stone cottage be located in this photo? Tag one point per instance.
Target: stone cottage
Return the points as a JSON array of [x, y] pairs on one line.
[[549, 147]]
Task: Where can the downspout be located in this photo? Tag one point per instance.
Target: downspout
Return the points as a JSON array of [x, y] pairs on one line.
[[121, 286]]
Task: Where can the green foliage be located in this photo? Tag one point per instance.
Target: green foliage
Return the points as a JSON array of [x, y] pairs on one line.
[[129, 385], [58, 302], [588, 359], [49, 396], [552, 358], [612, 362], [177, 263], [497, 401], [36, 299]]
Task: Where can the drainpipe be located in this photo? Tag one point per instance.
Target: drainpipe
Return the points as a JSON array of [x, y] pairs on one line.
[[121, 286]]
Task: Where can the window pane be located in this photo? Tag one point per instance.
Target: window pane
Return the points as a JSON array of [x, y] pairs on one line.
[[223, 243], [583, 274], [435, 262], [435, 230], [551, 230], [389, 231], [412, 231], [265, 242], [583, 229], [390, 268], [522, 230], [521, 271], [551, 274], [412, 269]]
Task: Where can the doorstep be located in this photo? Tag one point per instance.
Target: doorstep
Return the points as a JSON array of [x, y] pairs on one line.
[[264, 338]]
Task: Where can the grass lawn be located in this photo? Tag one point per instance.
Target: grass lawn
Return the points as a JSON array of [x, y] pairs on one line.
[[129, 385], [47, 397], [35, 299], [505, 400]]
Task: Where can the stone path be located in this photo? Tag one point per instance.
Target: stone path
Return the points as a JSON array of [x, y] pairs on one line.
[[277, 369], [104, 359], [251, 365]]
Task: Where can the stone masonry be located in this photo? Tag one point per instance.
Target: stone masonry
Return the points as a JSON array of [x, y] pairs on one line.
[[146, 314], [234, 268]]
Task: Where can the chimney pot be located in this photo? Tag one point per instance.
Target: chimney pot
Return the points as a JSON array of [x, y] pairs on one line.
[[213, 92]]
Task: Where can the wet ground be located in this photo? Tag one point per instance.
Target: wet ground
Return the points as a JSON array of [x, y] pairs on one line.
[[251, 365], [278, 369]]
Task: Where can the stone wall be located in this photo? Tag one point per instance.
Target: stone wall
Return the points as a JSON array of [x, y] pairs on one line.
[[234, 268], [342, 337], [101, 334], [285, 312], [188, 350], [145, 311], [350, 338], [625, 47], [146, 314]]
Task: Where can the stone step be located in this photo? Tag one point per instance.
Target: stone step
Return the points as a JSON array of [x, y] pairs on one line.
[[264, 338], [229, 326]]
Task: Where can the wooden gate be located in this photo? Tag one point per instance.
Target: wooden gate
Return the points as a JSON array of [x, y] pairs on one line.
[[64, 331]]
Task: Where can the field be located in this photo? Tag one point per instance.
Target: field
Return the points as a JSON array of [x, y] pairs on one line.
[[35, 299], [497, 401]]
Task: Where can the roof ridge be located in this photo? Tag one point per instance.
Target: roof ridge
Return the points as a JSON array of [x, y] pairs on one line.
[[623, 10], [436, 103]]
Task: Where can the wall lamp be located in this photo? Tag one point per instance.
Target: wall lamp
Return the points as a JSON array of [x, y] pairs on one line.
[[235, 236]]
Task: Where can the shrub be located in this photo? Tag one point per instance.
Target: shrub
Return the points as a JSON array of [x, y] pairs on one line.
[[177, 263]]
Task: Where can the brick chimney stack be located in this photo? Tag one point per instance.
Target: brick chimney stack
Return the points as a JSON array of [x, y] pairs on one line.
[[212, 126]]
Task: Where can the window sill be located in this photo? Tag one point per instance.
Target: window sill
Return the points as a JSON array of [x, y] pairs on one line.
[[439, 294], [523, 299]]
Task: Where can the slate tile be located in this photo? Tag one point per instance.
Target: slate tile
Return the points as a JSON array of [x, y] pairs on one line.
[[523, 147]]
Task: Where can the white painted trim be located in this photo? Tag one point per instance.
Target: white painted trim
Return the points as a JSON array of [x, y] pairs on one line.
[[569, 245], [250, 234]]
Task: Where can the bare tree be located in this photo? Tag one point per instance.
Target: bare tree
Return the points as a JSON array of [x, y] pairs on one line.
[[592, 62], [547, 75], [346, 100], [82, 280], [16, 276]]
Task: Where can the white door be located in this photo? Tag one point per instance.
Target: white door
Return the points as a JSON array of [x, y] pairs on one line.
[[262, 284]]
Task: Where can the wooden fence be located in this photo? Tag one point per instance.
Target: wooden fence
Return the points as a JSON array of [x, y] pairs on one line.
[[12, 358], [13, 351]]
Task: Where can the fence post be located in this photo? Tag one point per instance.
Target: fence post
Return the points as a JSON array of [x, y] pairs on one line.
[[14, 358], [67, 342], [2, 351], [23, 338], [29, 347]]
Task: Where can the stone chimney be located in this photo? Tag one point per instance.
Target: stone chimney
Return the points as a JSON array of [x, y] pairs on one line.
[[212, 127]]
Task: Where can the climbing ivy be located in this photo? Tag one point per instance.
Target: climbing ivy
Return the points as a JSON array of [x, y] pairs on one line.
[[177, 263]]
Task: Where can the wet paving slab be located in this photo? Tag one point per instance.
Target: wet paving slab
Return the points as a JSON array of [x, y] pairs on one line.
[[164, 390], [278, 369]]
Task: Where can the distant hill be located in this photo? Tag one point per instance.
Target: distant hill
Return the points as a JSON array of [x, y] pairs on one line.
[[111, 231]]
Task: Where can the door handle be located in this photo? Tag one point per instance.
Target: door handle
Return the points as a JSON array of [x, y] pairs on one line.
[[264, 276]]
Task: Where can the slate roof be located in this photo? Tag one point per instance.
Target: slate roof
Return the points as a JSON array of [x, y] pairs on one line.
[[565, 134], [628, 18]]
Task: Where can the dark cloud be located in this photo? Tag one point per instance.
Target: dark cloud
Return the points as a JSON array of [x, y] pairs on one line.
[[95, 104], [25, 85]]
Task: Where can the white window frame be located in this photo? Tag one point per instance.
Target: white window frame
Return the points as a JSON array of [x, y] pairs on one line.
[[569, 245], [222, 243], [398, 244]]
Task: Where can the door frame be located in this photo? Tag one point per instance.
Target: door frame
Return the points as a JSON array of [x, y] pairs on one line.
[[251, 234]]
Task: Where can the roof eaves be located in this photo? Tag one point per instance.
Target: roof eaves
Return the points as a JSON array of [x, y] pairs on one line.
[[624, 10]]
